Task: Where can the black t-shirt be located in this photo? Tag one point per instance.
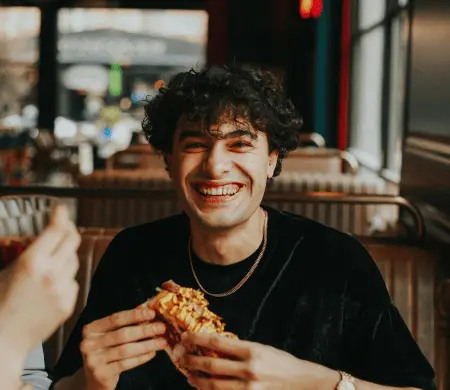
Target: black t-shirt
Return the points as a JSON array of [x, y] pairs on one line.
[[316, 294]]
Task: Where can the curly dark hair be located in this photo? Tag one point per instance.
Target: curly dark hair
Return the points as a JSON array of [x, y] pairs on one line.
[[219, 93]]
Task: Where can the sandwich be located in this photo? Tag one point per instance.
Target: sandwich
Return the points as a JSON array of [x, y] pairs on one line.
[[184, 309]]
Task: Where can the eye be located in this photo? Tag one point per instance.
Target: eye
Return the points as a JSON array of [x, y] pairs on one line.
[[241, 145], [195, 146]]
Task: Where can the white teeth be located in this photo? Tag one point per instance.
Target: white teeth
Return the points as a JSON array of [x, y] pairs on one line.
[[229, 189]]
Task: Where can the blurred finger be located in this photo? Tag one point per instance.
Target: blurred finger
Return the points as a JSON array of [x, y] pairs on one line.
[[69, 243], [60, 215], [59, 225], [70, 297], [46, 242], [65, 270], [65, 265]]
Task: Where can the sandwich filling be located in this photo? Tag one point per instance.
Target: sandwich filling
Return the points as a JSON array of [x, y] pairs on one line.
[[184, 309]]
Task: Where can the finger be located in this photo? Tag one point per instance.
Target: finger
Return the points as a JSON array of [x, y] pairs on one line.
[[26, 387], [69, 292], [237, 348], [71, 297], [60, 215], [131, 350], [130, 334], [119, 320], [128, 364], [71, 266], [216, 366], [63, 275], [65, 267], [55, 229], [68, 244], [46, 242], [216, 384]]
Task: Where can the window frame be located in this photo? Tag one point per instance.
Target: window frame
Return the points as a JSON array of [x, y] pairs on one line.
[[393, 11]]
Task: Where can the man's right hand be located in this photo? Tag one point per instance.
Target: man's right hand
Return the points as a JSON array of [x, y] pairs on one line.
[[118, 343]]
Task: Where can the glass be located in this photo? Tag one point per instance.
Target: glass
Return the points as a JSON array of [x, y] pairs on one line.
[[11, 248], [21, 219], [370, 12], [399, 46], [366, 95]]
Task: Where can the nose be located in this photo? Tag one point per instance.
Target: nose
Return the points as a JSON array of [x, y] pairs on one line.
[[217, 162]]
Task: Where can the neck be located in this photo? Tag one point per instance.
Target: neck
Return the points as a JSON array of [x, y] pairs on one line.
[[229, 246]]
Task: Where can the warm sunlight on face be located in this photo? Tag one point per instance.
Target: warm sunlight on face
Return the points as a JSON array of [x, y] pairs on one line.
[[220, 181]]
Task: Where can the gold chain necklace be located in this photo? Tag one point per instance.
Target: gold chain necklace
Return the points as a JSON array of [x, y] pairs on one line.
[[244, 279]]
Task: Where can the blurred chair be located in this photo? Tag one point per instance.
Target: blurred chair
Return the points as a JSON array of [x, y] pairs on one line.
[[320, 160], [135, 157], [123, 212], [355, 219], [116, 211], [311, 140]]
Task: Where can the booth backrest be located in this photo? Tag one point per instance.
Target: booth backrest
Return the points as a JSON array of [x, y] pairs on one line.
[[133, 210]]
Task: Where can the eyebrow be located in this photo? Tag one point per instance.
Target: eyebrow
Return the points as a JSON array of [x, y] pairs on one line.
[[238, 133]]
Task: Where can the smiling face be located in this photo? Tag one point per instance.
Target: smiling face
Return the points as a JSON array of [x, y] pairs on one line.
[[220, 178]]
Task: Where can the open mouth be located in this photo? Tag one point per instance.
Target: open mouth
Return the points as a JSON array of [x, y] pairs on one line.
[[216, 193]]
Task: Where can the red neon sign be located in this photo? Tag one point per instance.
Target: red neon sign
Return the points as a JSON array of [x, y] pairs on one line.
[[310, 8]]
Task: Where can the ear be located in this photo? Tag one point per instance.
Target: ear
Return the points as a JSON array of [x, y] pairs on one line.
[[273, 158]]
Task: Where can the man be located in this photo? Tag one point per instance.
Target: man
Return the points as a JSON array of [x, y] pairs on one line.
[[307, 302]]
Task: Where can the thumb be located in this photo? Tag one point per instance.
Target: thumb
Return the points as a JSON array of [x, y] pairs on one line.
[[60, 215], [27, 387]]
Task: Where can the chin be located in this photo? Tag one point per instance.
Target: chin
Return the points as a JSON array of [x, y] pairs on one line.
[[219, 220], [223, 218]]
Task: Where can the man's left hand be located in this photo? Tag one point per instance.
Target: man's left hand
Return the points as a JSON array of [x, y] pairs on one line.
[[251, 366]]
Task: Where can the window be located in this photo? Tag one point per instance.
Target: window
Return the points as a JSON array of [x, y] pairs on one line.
[[366, 98], [19, 54], [379, 59], [370, 12], [398, 60], [110, 60]]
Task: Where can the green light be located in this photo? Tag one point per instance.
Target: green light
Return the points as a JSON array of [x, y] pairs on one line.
[[115, 79]]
